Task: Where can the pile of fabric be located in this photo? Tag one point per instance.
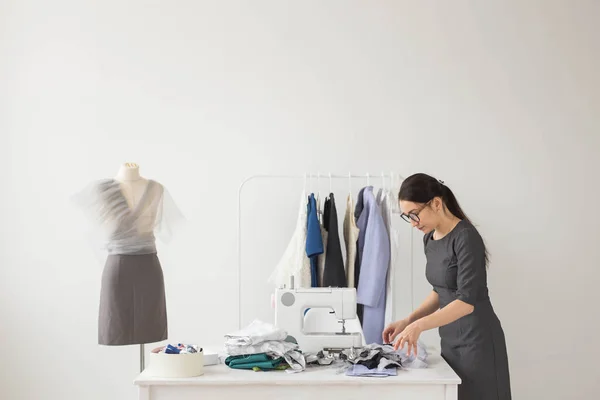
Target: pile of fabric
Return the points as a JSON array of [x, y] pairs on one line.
[[260, 347], [179, 348], [382, 360], [373, 360]]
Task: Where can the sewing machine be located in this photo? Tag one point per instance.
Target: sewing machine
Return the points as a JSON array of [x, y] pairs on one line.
[[290, 309]]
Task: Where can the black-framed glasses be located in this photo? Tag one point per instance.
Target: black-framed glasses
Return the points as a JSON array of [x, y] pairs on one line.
[[414, 216]]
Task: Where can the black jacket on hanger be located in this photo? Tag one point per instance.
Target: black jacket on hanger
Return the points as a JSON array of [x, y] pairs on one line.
[[334, 274], [357, 212]]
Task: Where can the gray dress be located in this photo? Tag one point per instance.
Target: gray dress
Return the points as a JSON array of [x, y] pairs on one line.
[[132, 301], [132, 296], [132, 307], [474, 345]]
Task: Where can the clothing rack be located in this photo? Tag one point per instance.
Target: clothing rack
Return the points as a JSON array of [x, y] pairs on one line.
[[307, 176]]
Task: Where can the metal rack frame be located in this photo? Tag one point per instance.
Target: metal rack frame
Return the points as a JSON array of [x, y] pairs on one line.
[[383, 176]]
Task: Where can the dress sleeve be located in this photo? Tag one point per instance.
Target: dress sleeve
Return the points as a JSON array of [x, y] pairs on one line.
[[96, 221], [470, 253], [425, 240], [168, 216]]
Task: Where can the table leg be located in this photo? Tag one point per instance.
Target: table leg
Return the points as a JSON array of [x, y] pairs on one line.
[[451, 392], [144, 393]]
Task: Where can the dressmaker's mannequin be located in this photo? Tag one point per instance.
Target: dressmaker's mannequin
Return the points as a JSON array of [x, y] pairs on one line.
[[130, 209], [133, 187], [132, 183]]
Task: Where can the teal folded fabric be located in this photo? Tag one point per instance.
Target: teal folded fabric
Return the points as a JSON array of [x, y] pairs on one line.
[[260, 361]]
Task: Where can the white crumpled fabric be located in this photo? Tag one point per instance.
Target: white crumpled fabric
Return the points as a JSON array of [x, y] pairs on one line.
[[262, 337], [256, 332]]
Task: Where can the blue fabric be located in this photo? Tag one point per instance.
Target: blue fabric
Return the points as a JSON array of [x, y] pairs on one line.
[[374, 266], [362, 370], [314, 240]]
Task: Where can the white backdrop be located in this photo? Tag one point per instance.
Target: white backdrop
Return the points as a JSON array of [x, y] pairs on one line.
[[498, 98]]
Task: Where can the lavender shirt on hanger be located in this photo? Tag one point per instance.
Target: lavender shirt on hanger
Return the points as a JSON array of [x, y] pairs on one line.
[[374, 265]]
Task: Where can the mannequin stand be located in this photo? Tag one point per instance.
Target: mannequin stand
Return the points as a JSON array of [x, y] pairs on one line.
[[142, 358]]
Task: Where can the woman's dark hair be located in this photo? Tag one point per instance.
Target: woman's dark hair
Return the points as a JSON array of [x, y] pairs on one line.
[[421, 188]]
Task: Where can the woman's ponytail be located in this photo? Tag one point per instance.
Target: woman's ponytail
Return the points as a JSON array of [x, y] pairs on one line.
[[452, 203], [421, 188]]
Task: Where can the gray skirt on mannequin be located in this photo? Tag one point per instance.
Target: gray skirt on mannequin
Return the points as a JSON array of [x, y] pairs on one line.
[[132, 301]]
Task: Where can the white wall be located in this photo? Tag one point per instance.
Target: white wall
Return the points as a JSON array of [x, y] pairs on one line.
[[498, 98]]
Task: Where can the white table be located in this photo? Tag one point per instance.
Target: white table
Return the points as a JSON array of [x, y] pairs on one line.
[[438, 382]]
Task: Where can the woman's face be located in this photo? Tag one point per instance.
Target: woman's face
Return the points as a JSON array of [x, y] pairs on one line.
[[420, 215]]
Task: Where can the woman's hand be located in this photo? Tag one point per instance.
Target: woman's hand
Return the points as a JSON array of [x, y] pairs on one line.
[[410, 336], [393, 329]]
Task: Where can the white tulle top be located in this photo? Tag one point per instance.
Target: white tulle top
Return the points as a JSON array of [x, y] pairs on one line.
[[124, 229]]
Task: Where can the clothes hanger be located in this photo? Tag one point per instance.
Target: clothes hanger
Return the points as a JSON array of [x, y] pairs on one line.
[[330, 190], [319, 210], [349, 184], [318, 186]]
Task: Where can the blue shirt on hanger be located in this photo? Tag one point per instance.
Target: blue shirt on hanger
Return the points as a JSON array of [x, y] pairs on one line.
[[314, 240]]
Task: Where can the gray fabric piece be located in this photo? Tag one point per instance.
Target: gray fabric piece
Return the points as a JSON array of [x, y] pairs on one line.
[[473, 345], [132, 301], [319, 358], [278, 347], [370, 351]]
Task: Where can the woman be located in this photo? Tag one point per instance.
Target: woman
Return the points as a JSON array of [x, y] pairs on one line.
[[472, 339]]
